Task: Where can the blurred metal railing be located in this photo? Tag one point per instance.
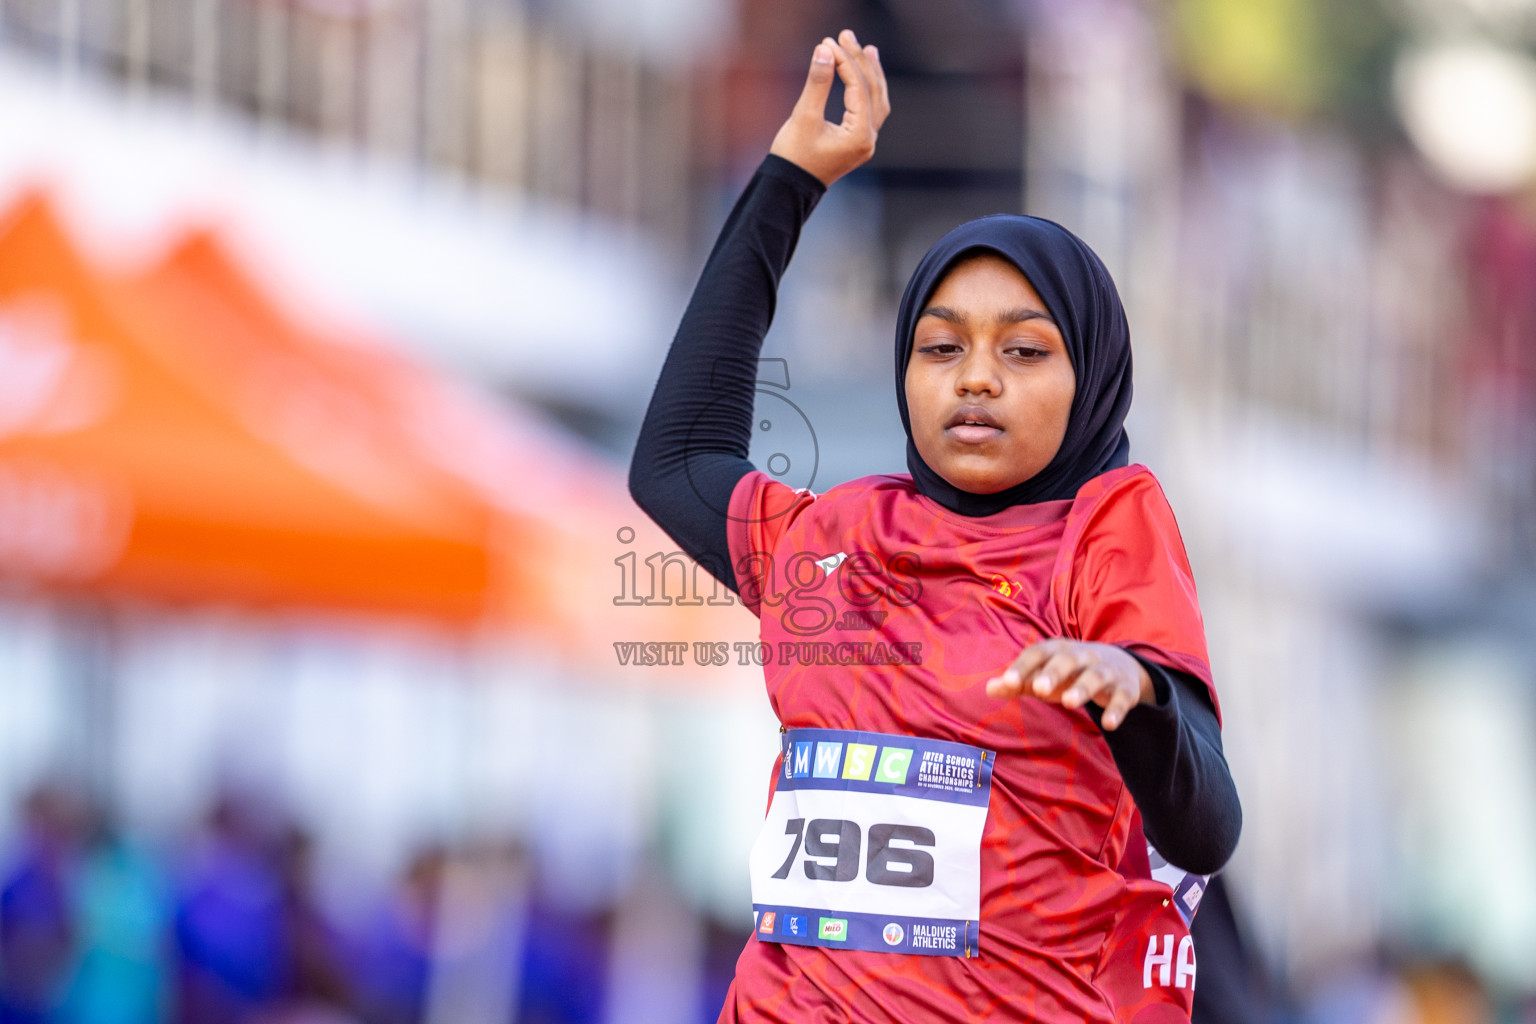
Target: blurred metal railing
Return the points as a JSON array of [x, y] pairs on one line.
[[487, 89]]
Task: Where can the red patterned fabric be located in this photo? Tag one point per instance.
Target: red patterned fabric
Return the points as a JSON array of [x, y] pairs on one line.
[[1067, 910]]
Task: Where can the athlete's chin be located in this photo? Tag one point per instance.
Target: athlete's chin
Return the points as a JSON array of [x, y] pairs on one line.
[[980, 479]]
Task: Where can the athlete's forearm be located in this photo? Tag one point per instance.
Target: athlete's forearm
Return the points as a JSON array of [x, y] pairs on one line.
[[1170, 757], [692, 448]]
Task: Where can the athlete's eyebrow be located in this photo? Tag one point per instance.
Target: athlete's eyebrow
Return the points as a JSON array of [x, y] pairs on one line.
[[953, 316], [1022, 314], [1008, 316]]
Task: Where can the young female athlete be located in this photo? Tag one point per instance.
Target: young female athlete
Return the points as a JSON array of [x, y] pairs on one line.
[[991, 673]]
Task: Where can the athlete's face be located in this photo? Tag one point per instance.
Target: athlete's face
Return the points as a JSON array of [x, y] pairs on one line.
[[989, 385]]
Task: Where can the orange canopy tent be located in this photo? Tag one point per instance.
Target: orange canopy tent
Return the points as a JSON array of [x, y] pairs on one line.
[[572, 545], [121, 474], [179, 436]]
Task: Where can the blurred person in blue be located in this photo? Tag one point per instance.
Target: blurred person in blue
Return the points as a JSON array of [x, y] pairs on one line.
[[407, 958], [316, 983], [255, 942], [390, 958], [37, 928], [229, 923], [564, 962], [122, 915]]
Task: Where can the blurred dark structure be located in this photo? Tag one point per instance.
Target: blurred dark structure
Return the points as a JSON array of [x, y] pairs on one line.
[[514, 94], [1231, 989], [953, 149]]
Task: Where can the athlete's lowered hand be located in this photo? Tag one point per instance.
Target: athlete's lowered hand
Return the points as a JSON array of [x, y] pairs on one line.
[[815, 144], [1073, 672]]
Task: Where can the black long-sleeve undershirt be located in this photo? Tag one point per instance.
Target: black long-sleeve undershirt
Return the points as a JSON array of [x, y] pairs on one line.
[[692, 451]]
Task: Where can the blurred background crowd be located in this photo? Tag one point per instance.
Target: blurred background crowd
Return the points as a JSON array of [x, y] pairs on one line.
[[326, 327]]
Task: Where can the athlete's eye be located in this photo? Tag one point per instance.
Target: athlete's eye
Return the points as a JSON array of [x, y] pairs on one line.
[[939, 348]]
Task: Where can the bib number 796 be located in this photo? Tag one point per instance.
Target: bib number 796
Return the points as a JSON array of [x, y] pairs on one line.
[[840, 841]]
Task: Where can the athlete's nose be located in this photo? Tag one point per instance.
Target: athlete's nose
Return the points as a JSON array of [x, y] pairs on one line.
[[978, 374]]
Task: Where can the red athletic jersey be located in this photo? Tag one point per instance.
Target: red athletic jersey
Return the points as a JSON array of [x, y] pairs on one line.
[[900, 636]]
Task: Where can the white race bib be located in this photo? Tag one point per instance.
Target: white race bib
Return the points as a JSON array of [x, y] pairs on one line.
[[873, 842]]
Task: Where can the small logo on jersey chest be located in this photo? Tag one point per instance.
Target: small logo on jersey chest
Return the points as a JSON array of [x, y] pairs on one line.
[[1005, 586]]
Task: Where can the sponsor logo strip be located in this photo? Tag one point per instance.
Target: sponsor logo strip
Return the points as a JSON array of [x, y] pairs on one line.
[[881, 933], [872, 762]]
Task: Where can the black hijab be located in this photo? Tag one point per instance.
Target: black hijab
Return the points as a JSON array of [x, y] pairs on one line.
[[1081, 298]]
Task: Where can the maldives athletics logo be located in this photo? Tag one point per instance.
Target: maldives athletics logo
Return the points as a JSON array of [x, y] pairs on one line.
[[893, 934]]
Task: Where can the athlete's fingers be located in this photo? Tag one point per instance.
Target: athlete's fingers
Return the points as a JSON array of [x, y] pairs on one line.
[[818, 82], [860, 55], [1120, 704], [1059, 670], [878, 85], [1030, 659], [1090, 684], [856, 102], [1012, 680], [856, 96], [850, 44], [806, 139]]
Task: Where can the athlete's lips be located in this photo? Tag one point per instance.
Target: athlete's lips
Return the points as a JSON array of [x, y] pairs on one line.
[[973, 424]]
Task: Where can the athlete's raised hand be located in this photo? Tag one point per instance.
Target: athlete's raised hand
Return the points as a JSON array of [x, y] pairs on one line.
[[815, 144], [1073, 672]]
